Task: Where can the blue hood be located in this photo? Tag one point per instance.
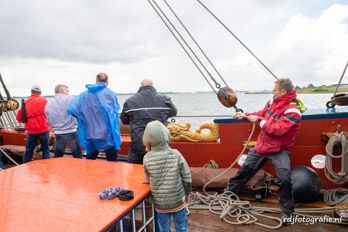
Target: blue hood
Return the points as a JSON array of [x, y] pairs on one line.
[[93, 88]]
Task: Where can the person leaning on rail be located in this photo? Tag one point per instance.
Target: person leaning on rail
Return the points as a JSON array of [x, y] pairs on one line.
[[279, 121], [63, 125], [35, 123], [145, 106], [96, 110]]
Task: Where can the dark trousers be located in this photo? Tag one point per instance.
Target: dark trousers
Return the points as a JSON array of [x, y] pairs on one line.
[[31, 143], [136, 156], [253, 163], [111, 154], [64, 140]]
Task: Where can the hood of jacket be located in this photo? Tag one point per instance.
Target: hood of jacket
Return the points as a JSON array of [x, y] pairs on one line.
[[156, 135], [286, 98], [95, 87]]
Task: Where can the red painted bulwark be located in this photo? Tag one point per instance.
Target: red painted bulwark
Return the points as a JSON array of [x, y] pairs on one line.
[[232, 135]]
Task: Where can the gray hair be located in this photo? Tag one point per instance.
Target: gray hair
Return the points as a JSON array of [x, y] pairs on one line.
[[146, 82], [58, 88]]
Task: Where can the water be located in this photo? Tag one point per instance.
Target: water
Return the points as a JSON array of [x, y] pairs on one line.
[[197, 108], [196, 105]]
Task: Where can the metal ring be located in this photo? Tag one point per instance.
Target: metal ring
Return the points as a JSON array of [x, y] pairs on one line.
[[238, 109], [330, 105], [217, 85]]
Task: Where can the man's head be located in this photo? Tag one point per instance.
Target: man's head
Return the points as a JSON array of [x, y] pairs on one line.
[[36, 89], [282, 86], [103, 78], [146, 82], [63, 89]]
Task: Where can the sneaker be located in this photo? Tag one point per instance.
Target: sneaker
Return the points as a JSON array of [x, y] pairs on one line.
[[286, 218]]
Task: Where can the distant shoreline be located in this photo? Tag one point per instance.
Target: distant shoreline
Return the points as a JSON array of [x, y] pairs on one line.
[[319, 90], [304, 90]]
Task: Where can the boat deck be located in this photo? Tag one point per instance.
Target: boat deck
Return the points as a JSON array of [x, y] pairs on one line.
[[203, 220]]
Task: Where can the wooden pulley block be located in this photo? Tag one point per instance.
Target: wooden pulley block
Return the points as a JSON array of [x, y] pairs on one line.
[[340, 99], [3, 107], [12, 104], [227, 97]]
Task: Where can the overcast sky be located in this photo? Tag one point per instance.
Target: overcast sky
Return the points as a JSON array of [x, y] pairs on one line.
[[70, 41]]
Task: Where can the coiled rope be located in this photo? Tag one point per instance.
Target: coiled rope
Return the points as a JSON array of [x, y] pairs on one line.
[[335, 197], [341, 176]]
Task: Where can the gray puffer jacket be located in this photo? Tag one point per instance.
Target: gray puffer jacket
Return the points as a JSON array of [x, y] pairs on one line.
[[165, 168]]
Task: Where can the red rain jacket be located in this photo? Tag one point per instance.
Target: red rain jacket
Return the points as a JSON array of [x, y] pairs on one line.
[[35, 109], [279, 122]]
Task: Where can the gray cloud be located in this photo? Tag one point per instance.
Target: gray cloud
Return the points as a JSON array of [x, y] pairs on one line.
[[70, 41]]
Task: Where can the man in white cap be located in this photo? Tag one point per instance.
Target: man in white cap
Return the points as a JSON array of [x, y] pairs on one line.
[[33, 115]]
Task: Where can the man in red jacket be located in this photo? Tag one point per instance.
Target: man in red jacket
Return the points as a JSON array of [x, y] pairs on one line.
[[35, 124], [279, 122]]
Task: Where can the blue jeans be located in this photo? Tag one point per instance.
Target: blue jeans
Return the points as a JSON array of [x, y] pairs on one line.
[[64, 140], [31, 143], [180, 221]]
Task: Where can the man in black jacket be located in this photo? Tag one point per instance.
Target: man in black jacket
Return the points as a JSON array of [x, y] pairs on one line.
[[145, 106]]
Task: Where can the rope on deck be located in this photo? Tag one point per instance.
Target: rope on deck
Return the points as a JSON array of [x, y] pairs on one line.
[[232, 210], [335, 197]]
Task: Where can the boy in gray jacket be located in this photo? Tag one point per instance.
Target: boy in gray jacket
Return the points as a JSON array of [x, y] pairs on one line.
[[169, 177]]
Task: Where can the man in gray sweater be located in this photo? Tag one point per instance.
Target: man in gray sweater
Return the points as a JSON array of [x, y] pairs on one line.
[[63, 125]]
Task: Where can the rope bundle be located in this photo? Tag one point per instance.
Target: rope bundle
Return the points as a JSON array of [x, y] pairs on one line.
[[342, 176], [232, 210]]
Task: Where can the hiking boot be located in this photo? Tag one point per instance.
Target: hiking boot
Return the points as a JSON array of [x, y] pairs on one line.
[[286, 218]]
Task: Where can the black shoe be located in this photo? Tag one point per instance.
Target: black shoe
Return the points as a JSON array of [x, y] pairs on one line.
[[286, 218]]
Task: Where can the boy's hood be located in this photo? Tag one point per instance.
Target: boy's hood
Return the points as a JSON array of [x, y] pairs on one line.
[[156, 135]]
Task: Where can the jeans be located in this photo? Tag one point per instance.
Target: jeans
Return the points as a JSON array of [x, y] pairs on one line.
[[64, 140], [180, 221], [254, 162], [111, 154], [30, 146]]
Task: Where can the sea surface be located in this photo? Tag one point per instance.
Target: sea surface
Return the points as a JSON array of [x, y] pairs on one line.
[[197, 108]]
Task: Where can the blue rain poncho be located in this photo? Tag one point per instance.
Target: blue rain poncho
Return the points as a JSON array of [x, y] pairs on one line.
[[97, 114]]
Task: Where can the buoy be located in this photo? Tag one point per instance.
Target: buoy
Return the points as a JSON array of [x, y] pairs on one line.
[[305, 184]]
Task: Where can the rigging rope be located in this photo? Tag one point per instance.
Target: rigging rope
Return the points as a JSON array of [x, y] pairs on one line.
[[339, 82], [194, 40], [171, 27], [8, 156], [205, 7]]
